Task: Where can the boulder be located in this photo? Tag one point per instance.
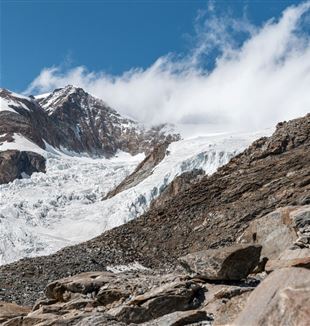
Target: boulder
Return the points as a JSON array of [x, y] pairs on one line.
[[85, 283], [283, 298], [290, 258], [280, 230], [229, 263], [273, 231]]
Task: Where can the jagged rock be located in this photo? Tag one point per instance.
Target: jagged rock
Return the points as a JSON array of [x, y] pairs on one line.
[[283, 298], [123, 298], [143, 170], [15, 164], [228, 263], [290, 258], [179, 184], [11, 310]]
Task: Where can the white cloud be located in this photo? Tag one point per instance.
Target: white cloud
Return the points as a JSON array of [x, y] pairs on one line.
[[255, 84]]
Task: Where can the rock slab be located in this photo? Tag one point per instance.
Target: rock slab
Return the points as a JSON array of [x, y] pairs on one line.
[[229, 263]]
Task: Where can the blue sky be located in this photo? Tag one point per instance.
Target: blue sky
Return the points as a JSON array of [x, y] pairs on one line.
[[109, 36]]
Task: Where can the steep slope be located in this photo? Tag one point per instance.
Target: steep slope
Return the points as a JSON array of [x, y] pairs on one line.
[[63, 207], [273, 172], [143, 170], [89, 125]]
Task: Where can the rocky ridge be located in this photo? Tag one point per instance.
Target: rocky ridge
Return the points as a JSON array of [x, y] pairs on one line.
[[143, 170]]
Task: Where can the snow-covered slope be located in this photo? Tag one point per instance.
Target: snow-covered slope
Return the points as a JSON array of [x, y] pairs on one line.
[[49, 211], [20, 143]]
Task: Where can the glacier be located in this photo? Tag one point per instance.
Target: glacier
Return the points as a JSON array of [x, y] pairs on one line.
[[46, 212]]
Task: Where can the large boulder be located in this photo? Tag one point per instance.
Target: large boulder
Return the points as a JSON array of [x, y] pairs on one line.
[[283, 298], [16, 165], [229, 263], [279, 230]]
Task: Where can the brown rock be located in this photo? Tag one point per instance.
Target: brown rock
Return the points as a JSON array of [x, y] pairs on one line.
[[84, 283], [290, 258], [14, 163], [11, 310], [274, 231], [175, 296], [283, 298], [142, 171], [229, 263]]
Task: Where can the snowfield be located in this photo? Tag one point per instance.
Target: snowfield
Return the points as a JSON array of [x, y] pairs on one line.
[[43, 213]]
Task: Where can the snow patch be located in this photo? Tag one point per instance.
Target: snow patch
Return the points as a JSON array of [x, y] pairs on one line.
[[21, 143], [135, 266]]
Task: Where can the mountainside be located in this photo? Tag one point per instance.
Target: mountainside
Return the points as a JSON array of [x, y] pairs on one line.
[[273, 172], [72, 120], [64, 206]]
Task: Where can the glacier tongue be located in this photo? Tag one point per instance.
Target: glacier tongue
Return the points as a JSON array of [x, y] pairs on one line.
[[46, 212]]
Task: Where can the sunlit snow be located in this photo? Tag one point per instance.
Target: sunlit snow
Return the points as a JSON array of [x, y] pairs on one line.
[[46, 212]]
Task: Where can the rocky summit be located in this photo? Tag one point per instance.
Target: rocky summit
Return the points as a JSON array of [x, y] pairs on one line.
[[231, 248]]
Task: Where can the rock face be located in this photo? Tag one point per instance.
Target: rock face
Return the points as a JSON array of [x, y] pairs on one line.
[[143, 170], [72, 119], [16, 165], [90, 126], [179, 184], [283, 298], [228, 263]]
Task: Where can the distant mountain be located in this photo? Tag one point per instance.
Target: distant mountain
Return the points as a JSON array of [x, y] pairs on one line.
[[72, 120]]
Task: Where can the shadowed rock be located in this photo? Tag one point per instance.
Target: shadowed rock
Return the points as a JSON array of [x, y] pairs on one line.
[[15, 165], [228, 263]]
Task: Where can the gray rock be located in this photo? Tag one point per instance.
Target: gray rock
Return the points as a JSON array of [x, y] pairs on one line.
[[290, 258], [283, 298], [301, 217], [229, 263]]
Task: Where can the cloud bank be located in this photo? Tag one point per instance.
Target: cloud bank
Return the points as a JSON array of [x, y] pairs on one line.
[[259, 76]]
